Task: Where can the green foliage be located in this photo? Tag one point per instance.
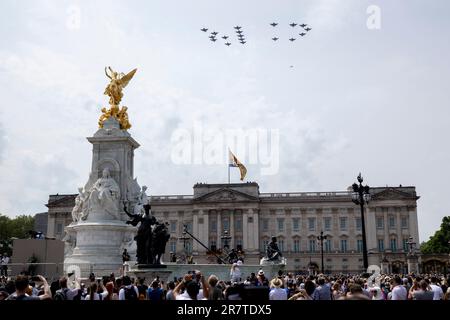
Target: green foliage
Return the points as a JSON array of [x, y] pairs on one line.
[[438, 243], [14, 228]]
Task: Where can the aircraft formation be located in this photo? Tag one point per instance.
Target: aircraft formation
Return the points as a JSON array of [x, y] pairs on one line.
[[240, 37]]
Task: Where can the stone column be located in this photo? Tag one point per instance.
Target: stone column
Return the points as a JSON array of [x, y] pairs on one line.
[[195, 231], [231, 231], [245, 230], [219, 229]]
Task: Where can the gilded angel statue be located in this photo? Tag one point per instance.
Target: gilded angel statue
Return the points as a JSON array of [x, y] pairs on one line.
[[114, 91], [118, 82]]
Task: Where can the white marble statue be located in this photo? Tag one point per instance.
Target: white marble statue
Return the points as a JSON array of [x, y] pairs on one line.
[[104, 196], [80, 206], [142, 200]]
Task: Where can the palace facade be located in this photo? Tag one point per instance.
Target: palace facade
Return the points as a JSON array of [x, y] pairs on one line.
[[251, 218]]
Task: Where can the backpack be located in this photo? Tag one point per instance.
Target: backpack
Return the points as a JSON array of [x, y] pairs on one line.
[[61, 294], [130, 293]]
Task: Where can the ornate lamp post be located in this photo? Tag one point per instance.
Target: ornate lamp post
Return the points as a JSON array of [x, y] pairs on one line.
[[361, 196], [185, 238], [321, 238]]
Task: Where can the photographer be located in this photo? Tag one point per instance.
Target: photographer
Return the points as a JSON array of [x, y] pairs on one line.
[[22, 284], [191, 288], [65, 293]]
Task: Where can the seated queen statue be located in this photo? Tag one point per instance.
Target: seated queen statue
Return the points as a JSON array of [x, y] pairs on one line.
[[104, 196]]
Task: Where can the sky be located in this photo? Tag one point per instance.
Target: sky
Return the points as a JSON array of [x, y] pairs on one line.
[[346, 98]]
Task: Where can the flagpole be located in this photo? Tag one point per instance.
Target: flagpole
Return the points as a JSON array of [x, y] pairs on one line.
[[228, 173]]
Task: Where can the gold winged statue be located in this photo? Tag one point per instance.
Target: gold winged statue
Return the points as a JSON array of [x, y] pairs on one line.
[[114, 91]]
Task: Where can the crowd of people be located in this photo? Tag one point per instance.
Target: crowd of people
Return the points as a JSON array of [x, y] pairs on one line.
[[196, 286]]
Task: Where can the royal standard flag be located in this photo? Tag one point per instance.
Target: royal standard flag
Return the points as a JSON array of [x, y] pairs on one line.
[[234, 162]]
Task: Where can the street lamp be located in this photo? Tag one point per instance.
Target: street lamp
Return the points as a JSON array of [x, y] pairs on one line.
[[361, 196], [321, 238], [185, 238]]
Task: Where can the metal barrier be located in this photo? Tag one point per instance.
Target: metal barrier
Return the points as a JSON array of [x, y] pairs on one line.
[[56, 270]]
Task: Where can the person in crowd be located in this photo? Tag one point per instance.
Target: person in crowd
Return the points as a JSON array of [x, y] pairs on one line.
[[142, 288], [437, 290], [93, 294], [64, 293], [306, 291], [276, 292], [215, 292], [261, 279], [170, 288], [4, 265], [155, 292], [21, 285], [323, 291], [424, 292], [128, 291], [398, 291], [356, 293], [235, 273]]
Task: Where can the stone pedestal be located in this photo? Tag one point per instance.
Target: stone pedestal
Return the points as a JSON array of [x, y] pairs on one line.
[[413, 263], [98, 235], [99, 247]]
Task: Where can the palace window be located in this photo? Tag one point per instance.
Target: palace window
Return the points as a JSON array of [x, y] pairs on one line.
[[381, 245], [238, 225], [189, 226], [343, 223], [213, 226], [327, 223], [405, 245], [280, 222], [265, 245], [173, 246], [311, 224], [393, 244], [344, 245], [296, 224], [328, 245], [391, 222], [173, 227], [358, 224], [59, 228], [281, 245], [359, 245], [226, 225], [238, 243], [312, 245], [265, 224], [296, 245], [380, 223], [188, 247], [404, 222]]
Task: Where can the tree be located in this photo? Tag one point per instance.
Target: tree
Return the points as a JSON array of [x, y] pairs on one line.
[[14, 228], [438, 243]]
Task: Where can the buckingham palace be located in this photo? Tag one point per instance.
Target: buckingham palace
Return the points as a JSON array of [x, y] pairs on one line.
[[249, 218]]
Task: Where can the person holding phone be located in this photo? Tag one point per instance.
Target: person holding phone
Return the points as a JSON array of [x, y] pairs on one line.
[[21, 284]]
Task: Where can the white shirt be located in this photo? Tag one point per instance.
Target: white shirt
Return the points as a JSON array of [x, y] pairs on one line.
[[5, 261], [277, 294], [399, 293], [185, 296], [97, 296], [438, 293], [122, 292]]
